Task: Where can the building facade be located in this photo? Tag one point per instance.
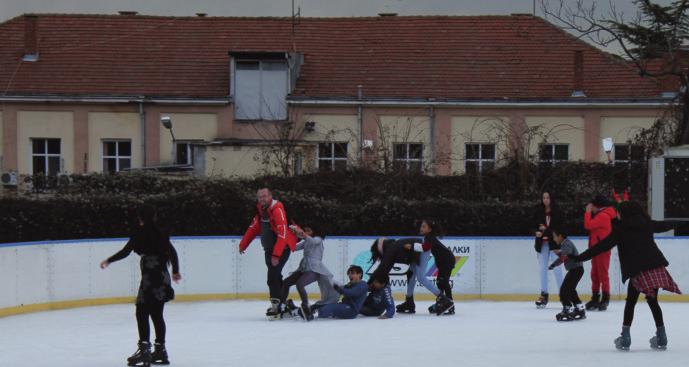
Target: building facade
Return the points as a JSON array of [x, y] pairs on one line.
[[245, 96]]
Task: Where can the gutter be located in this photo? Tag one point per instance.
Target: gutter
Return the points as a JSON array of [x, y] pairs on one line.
[[116, 99], [655, 103]]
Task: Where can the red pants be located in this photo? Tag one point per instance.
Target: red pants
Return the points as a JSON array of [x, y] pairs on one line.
[[600, 281]]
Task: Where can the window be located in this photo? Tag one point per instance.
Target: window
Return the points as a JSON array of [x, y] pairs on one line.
[[628, 154], [408, 157], [45, 156], [184, 153], [553, 153], [479, 157], [261, 90], [117, 155], [332, 156]]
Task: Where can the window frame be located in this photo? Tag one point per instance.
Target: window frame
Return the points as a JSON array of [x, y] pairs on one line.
[[629, 161], [480, 158], [117, 157], [406, 159], [233, 86], [332, 159], [46, 156], [553, 161]]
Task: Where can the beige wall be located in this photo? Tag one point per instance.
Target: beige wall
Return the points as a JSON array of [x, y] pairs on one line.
[[333, 128], [559, 129], [112, 125], [44, 124], [477, 129], [406, 129], [186, 126], [228, 161], [621, 130], [2, 159]]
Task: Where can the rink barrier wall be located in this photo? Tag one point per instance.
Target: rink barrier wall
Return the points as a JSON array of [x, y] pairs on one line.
[[50, 275]]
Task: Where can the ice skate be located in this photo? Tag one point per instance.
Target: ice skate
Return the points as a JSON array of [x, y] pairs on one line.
[[407, 306], [273, 313], [159, 355], [604, 301], [564, 315], [290, 309], [542, 301], [142, 356], [659, 341], [442, 304], [623, 341], [579, 312], [305, 312], [594, 302]]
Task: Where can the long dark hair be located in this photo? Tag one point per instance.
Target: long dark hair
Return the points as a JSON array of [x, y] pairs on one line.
[[315, 231], [633, 214], [436, 228], [553, 204], [375, 255], [147, 237]]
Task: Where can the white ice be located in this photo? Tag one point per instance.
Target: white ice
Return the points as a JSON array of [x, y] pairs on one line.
[[234, 333]]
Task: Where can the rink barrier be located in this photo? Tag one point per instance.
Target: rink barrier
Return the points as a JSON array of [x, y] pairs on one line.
[[51, 275]]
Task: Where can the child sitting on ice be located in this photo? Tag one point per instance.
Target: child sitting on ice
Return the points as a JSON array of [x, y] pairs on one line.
[[354, 294], [379, 301]]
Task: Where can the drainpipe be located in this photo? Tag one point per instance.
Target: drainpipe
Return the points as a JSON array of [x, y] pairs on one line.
[[431, 119], [360, 121], [142, 119]]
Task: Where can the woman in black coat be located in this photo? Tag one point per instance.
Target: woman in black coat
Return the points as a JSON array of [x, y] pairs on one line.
[[546, 216], [642, 263], [155, 290]]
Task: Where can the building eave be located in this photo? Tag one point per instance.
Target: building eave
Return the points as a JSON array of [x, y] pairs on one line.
[[114, 99]]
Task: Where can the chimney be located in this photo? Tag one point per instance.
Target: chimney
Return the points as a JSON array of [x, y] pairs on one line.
[[128, 12], [30, 38], [201, 15], [578, 74], [387, 14]]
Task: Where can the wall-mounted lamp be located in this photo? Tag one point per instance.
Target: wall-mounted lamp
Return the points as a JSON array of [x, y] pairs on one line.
[[310, 126], [167, 123], [607, 147]]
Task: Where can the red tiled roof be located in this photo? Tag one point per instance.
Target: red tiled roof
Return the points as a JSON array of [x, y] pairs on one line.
[[458, 57]]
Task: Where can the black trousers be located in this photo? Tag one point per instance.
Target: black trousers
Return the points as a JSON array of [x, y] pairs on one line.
[[568, 290], [443, 279], [275, 272], [154, 311], [632, 297]]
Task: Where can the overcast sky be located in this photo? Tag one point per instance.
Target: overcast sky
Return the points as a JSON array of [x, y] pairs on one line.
[[310, 8]]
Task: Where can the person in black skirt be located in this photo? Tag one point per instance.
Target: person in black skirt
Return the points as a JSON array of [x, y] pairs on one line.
[[641, 263], [155, 289]]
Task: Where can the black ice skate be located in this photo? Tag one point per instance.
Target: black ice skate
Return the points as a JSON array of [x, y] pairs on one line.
[[142, 356], [604, 301], [273, 313], [542, 301], [407, 306], [623, 341], [305, 312], [579, 313], [442, 305], [594, 302], [290, 309], [659, 341], [565, 315], [159, 355]]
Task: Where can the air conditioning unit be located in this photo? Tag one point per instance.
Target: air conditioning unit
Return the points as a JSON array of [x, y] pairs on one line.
[[9, 178]]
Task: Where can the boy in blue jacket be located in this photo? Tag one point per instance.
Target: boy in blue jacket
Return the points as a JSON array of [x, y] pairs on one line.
[[354, 294], [379, 301]]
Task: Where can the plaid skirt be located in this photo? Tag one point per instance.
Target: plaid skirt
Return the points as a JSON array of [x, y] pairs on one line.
[[648, 282]]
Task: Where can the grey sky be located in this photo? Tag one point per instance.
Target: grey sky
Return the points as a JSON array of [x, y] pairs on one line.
[[311, 8]]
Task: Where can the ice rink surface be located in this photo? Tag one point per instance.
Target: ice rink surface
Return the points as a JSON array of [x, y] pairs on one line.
[[235, 333]]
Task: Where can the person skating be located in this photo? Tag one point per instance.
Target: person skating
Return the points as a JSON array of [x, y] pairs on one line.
[[547, 215], [311, 269], [444, 262], [597, 220], [155, 290], [277, 240], [642, 263], [404, 251], [379, 301], [354, 295], [572, 308]]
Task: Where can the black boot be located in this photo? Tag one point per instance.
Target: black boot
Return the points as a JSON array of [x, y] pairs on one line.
[[159, 355], [305, 312], [605, 300], [542, 301], [273, 313], [407, 306], [142, 356], [442, 304], [594, 302]]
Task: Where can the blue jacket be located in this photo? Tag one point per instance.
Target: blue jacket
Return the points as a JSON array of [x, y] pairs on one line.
[[381, 300], [354, 294]]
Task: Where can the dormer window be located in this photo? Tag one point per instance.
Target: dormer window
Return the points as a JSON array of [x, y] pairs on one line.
[[260, 84]]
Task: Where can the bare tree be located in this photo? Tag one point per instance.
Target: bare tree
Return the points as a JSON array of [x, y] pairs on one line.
[[654, 40]]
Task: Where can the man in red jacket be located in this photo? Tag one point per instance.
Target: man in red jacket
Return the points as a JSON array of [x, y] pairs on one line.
[[278, 241], [597, 221]]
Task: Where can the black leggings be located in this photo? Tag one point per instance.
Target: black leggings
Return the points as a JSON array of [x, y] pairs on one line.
[[442, 281], [568, 290], [155, 312], [301, 279], [632, 297]]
